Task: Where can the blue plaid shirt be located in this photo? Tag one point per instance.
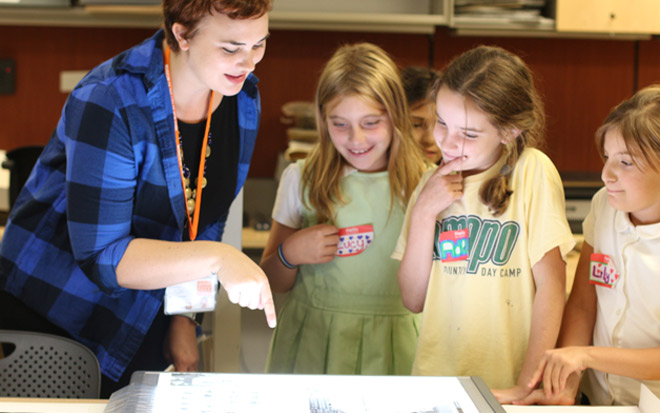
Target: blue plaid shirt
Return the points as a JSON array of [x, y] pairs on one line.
[[109, 174]]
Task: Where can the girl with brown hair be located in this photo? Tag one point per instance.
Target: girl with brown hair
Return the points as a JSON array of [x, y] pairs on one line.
[[611, 327], [485, 235], [113, 211]]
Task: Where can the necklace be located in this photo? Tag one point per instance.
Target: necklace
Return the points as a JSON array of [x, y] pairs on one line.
[[191, 193], [193, 197]]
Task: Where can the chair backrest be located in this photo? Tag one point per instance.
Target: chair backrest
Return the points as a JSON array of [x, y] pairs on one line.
[[44, 365]]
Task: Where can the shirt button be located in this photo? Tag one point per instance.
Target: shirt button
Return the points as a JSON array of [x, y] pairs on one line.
[[618, 312]]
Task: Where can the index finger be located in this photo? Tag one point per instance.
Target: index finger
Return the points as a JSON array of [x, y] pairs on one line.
[[535, 397], [268, 306], [328, 229], [330, 240], [536, 377], [452, 166]]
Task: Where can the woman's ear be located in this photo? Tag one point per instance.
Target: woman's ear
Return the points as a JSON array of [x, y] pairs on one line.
[[510, 135], [180, 31]]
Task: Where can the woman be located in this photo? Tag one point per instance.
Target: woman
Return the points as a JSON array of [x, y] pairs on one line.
[[113, 212]]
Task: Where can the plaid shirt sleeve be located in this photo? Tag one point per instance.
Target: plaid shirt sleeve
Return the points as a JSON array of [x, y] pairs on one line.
[[101, 178]]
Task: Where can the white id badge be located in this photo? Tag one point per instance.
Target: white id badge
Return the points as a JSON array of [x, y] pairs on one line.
[[191, 297]]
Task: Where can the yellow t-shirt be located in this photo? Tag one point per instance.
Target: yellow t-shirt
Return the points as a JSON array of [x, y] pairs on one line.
[[478, 312]]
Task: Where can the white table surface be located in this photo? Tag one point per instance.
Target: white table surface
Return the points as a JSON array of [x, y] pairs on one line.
[[21, 405], [571, 409]]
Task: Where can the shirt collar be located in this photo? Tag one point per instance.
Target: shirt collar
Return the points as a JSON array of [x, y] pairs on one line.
[[348, 170], [624, 225]]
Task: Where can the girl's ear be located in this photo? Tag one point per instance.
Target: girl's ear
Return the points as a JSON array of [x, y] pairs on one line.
[[179, 31], [510, 135]]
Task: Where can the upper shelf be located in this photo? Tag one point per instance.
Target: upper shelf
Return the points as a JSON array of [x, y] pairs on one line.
[[90, 16], [421, 16], [371, 22], [151, 16]]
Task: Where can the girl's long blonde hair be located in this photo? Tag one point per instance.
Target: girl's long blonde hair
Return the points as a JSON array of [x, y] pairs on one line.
[[638, 121], [502, 86], [363, 70]]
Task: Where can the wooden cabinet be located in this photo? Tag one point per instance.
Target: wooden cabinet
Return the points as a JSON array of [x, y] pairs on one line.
[[608, 16]]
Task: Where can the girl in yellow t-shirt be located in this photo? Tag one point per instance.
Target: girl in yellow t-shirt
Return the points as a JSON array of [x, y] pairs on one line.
[[485, 235]]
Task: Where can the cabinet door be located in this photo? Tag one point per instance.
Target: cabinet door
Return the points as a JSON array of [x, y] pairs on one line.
[[608, 16]]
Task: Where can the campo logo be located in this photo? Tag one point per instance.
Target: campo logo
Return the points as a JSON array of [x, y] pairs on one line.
[[489, 240]]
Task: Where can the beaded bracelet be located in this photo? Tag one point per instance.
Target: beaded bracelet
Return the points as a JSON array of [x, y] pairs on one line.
[[282, 259]]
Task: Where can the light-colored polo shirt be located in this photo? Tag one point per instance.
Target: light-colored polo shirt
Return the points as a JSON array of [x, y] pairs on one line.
[[628, 315]]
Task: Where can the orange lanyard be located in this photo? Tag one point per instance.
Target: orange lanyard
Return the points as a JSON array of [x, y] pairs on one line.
[[194, 223]]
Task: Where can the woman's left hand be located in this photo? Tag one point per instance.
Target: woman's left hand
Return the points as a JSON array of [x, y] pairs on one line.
[[180, 346], [508, 396]]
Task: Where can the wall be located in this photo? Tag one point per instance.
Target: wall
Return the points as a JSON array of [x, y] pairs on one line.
[[41, 53], [580, 80]]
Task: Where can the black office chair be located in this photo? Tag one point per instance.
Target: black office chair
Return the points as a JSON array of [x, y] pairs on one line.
[[48, 366], [20, 162]]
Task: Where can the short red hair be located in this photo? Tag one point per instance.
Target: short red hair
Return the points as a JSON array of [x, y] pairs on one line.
[[190, 12]]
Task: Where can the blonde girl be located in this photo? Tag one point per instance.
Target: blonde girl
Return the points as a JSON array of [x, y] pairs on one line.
[[485, 234], [335, 222], [612, 321]]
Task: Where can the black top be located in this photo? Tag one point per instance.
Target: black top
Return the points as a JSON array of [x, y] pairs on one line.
[[221, 166]]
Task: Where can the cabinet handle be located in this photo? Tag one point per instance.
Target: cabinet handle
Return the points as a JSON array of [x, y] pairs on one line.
[[612, 16]]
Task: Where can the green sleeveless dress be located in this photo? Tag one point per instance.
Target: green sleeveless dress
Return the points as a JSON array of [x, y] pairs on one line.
[[346, 316]]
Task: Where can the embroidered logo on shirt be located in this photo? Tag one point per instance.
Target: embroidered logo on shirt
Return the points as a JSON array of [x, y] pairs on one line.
[[354, 240], [602, 271], [454, 245]]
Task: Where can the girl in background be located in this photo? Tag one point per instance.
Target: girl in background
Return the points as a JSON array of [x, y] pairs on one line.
[[612, 321], [417, 82], [485, 234], [336, 219]]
